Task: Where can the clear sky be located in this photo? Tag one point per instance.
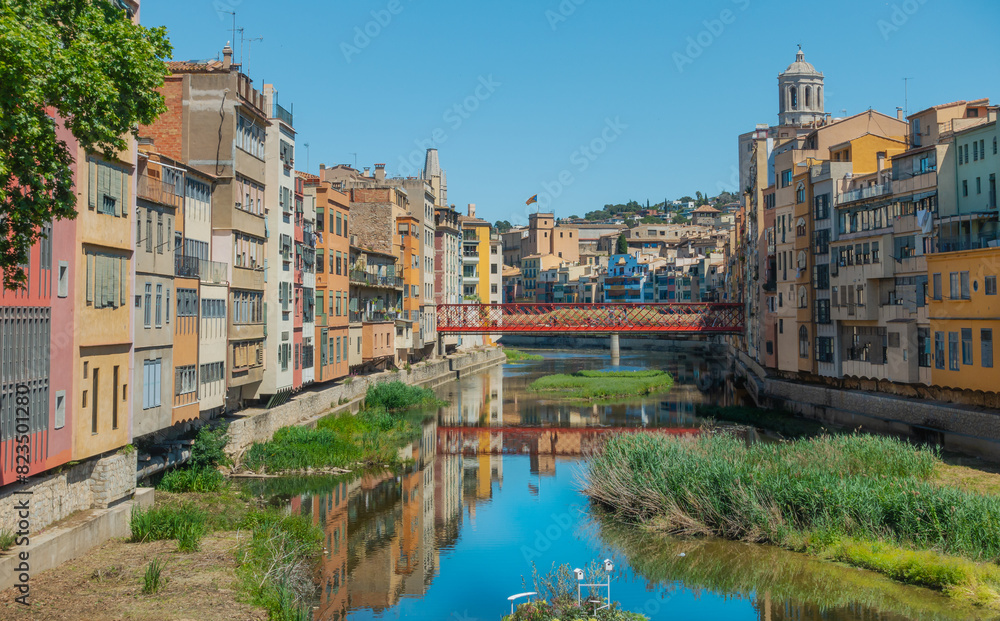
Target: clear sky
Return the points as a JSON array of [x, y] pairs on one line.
[[584, 102]]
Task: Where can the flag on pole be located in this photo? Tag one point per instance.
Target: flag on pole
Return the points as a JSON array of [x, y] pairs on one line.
[[533, 199]]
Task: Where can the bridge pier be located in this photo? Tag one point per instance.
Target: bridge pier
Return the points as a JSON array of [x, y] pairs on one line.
[[616, 351]]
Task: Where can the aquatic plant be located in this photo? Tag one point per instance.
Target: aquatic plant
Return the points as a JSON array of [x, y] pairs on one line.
[[184, 480], [516, 355], [397, 396], [603, 384], [811, 495], [557, 598]]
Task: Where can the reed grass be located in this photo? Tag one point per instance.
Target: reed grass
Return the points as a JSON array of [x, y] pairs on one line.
[[153, 579], [516, 355], [182, 480], [602, 385], [812, 494]]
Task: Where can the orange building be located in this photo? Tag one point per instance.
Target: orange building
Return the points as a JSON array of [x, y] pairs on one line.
[[333, 251]]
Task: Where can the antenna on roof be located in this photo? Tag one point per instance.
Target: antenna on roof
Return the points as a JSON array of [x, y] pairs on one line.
[[906, 96]]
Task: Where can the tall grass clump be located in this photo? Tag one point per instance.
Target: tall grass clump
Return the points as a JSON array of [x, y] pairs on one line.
[[184, 480], [275, 564], [825, 489], [603, 384], [153, 579], [397, 396], [200, 473], [516, 355], [557, 598], [185, 523], [7, 539]]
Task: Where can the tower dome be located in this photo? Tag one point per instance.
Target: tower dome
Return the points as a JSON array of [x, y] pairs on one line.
[[800, 93]]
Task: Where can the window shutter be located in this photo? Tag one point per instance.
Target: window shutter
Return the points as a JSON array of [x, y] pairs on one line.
[[92, 181], [90, 276], [126, 181], [123, 290], [260, 354]]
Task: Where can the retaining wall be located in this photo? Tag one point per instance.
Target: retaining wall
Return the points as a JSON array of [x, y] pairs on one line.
[[94, 484], [966, 429]]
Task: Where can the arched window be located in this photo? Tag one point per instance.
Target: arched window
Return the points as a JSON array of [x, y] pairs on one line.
[[800, 228], [808, 97], [802, 260], [819, 98], [793, 95], [803, 342], [800, 193], [803, 298]]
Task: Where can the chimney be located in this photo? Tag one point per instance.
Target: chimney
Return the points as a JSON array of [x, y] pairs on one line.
[[472, 210], [227, 57], [899, 113], [322, 167], [368, 171], [379, 173]]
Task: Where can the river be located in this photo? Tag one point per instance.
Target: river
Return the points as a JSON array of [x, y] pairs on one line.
[[494, 488]]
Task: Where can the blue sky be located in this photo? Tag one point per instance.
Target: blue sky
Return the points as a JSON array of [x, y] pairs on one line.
[[584, 102]]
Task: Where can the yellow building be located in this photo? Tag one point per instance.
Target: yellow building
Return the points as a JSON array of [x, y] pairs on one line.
[[475, 259], [964, 316]]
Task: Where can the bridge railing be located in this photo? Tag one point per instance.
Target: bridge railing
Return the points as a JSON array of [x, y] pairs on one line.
[[593, 318]]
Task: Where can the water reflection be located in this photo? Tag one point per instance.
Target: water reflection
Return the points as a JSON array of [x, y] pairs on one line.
[[492, 488]]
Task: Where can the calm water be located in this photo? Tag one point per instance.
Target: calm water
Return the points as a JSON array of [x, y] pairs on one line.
[[494, 489]]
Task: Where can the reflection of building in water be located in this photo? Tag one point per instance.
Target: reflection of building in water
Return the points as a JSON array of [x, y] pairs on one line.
[[475, 400], [770, 609], [537, 441], [380, 535]]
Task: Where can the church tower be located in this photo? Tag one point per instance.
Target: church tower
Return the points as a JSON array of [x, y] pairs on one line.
[[800, 93]]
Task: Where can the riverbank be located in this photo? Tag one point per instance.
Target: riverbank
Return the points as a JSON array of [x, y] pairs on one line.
[[867, 501]]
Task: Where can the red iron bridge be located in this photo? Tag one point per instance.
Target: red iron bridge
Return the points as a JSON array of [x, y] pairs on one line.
[[706, 318]]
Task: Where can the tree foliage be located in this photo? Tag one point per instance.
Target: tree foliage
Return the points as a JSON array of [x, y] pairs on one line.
[[85, 63], [621, 247], [502, 226]]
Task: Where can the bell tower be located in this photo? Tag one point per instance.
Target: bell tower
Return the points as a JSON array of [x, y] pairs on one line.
[[800, 93]]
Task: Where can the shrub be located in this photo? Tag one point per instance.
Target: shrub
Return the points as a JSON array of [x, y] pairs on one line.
[[604, 384], [516, 355], [153, 580], [207, 450], [557, 598]]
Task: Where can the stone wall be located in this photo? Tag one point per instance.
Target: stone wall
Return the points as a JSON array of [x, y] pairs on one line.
[[94, 484], [305, 408], [967, 429]]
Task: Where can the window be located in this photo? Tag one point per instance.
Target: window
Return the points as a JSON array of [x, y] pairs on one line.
[[185, 380], [821, 241], [967, 346], [965, 187], [339, 224], [786, 178], [953, 351], [803, 342], [986, 346], [106, 280], [937, 286], [250, 136], [167, 306], [147, 316], [108, 188], [339, 263], [821, 274], [990, 283], [822, 206], [151, 372], [187, 303], [975, 151], [964, 278], [824, 349], [924, 347], [822, 311], [159, 306], [939, 350]]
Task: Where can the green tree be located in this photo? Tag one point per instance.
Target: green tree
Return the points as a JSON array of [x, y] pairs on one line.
[[679, 219], [621, 247], [502, 226], [85, 63]]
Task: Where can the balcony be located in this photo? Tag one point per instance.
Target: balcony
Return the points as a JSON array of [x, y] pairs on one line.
[[360, 277], [193, 267], [873, 191], [372, 316], [283, 115], [154, 190]]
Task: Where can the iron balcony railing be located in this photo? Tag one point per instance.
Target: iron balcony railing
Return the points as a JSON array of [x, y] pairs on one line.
[[193, 267], [372, 316], [156, 191], [362, 277], [873, 191]]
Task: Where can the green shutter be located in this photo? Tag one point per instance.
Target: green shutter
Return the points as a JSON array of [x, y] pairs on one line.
[[92, 181], [88, 258]]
